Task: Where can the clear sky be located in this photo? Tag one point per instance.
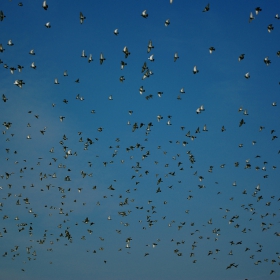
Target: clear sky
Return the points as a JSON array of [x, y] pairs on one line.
[[99, 181]]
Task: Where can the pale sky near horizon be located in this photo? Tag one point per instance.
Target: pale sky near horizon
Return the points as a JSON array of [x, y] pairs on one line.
[[99, 181]]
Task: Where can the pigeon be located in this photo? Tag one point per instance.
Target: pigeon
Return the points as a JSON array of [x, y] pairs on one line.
[[82, 17], [45, 6], [144, 14], [207, 8]]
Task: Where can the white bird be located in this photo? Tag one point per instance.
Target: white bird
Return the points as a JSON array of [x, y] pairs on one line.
[[195, 70], [182, 90], [45, 6], [247, 75], [33, 65], [32, 52], [251, 17], [83, 54], [48, 25], [1, 48], [110, 97], [116, 32], [176, 56], [144, 14], [56, 81], [90, 59], [10, 43], [65, 74], [241, 57], [151, 58]]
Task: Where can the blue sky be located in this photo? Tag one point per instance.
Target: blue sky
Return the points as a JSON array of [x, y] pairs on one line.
[[195, 211]]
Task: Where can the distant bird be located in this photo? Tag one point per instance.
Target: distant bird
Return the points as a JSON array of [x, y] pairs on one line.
[[1, 48], [247, 75], [48, 25], [65, 74], [270, 28], [150, 46], [176, 56], [123, 64], [82, 17], [19, 83], [267, 61], [257, 10], [167, 22], [144, 14], [195, 71], [2, 16], [90, 59], [102, 58], [251, 17], [33, 65], [10, 43], [116, 32], [83, 54], [207, 8], [56, 81], [241, 57], [151, 58], [211, 49], [45, 6], [126, 52], [32, 52], [20, 68], [122, 79]]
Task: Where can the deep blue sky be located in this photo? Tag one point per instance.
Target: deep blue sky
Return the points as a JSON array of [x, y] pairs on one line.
[[180, 215]]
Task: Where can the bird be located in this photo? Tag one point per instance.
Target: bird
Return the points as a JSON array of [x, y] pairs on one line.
[[45, 6], [48, 25], [207, 8], [83, 54], [211, 49], [195, 71], [116, 32], [19, 83], [241, 57], [251, 17], [151, 58], [144, 14], [150, 46], [176, 56], [247, 75], [257, 10], [102, 58], [90, 59], [126, 52], [32, 52], [82, 17], [270, 28], [2, 16], [267, 61], [167, 22], [33, 65], [10, 43]]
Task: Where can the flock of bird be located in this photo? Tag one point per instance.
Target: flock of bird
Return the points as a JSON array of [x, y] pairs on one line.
[[65, 180]]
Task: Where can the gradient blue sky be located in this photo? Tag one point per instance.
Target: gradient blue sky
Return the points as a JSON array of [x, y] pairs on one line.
[[220, 86]]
